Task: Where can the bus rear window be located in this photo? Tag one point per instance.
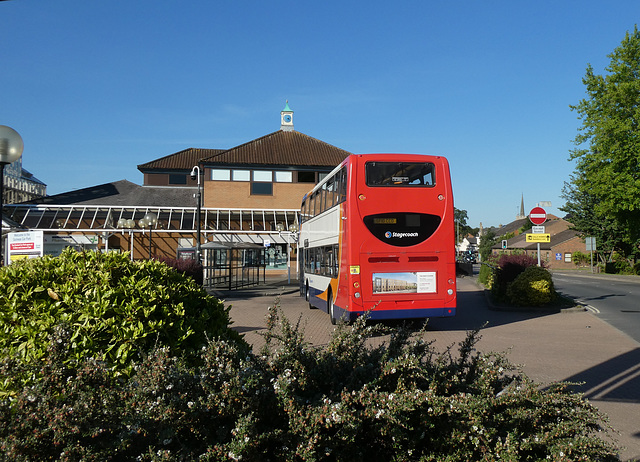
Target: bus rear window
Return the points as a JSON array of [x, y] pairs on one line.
[[400, 174]]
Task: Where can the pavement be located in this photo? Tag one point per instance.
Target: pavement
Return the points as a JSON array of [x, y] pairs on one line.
[[563, 345]]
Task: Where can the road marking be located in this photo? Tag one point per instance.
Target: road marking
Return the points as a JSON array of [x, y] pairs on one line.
[[593, 309]]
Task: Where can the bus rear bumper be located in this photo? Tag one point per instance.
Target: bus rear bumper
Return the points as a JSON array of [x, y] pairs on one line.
[[381, 315]]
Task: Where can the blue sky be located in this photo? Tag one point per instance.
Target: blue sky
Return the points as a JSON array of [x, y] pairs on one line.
[[97, 87]]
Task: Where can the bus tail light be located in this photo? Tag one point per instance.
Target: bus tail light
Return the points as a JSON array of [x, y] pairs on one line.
[[356, 285]]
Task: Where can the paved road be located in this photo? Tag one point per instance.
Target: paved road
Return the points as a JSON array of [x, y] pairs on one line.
[[574, 346], [614, 299]]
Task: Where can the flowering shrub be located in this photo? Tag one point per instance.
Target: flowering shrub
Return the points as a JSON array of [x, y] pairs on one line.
[[186, 266], [532, 287], [509, 266], [113, 308], [348, 400]]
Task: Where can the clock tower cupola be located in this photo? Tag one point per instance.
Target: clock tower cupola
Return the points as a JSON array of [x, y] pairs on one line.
[[286, 118]]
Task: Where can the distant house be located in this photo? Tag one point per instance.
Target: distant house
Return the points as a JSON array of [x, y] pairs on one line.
[[557, 254], [468, 243]]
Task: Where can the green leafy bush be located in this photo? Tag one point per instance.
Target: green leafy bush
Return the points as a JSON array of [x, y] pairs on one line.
[[400, 400], [579, 258], [532, 287], [113, 308], [619, 265], [486, 273]]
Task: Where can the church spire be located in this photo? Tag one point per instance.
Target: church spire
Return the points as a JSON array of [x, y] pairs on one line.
[[521, 214]]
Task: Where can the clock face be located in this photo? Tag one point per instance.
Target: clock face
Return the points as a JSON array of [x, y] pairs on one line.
[[287, 118]]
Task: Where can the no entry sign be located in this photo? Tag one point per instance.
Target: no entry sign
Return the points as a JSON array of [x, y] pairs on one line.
[[537, 215]]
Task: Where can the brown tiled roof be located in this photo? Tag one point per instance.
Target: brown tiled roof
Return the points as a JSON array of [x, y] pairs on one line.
[[183, 160], [282, 148], [557, 237]]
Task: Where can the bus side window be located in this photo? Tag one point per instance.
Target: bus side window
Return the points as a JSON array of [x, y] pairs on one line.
[[323, 199], [303, 211], [318, 260], [326, 262], [316, 204], [331, 192], [312, 206], [342, 185]]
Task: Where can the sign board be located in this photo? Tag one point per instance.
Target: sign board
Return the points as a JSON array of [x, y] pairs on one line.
[[70, 239], [590, 243], [538, 237], [28, 244], [186, 254], [537, 215], [558, 256], [537, 229]]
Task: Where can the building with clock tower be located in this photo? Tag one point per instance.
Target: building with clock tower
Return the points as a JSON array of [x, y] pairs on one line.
[[248, 194]]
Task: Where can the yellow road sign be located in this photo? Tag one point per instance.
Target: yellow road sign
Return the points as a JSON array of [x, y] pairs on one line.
[[546, 237]]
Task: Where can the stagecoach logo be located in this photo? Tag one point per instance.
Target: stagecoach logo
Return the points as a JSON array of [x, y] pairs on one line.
[[390, 234]]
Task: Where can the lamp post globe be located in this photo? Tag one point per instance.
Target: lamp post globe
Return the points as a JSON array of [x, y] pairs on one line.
[[11, 147], [151, 219]]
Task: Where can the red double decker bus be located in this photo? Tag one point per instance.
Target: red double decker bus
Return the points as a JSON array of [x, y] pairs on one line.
[[378, 234]]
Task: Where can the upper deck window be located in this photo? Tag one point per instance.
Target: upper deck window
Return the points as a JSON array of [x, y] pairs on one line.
[[400, 174]]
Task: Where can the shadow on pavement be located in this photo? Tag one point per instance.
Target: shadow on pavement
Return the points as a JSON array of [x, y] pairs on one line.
[[617, 379], [474, 312]]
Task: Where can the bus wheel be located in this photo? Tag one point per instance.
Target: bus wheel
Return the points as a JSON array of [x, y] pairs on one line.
[[330, 307], [307, 296]]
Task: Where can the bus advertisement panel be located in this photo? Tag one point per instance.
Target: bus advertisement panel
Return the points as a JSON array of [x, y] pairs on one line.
[[377, 234]]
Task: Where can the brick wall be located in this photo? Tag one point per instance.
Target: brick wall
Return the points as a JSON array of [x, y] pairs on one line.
[[566, 247], [237, 194]]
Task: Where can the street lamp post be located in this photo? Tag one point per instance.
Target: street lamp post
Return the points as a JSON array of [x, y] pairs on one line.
[[11, 147], [195, 173], [128, 224], [148, 221]]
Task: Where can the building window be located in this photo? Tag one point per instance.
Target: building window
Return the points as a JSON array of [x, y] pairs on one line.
[[567, 258], [262, 189], [242, 175], [284, 177], [263, 176], [306, 177], [176, 178], [219, 174]]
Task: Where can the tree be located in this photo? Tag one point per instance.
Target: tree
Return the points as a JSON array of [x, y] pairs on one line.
[[487, 241], [462, 228], [604, 193], [582, 213]]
